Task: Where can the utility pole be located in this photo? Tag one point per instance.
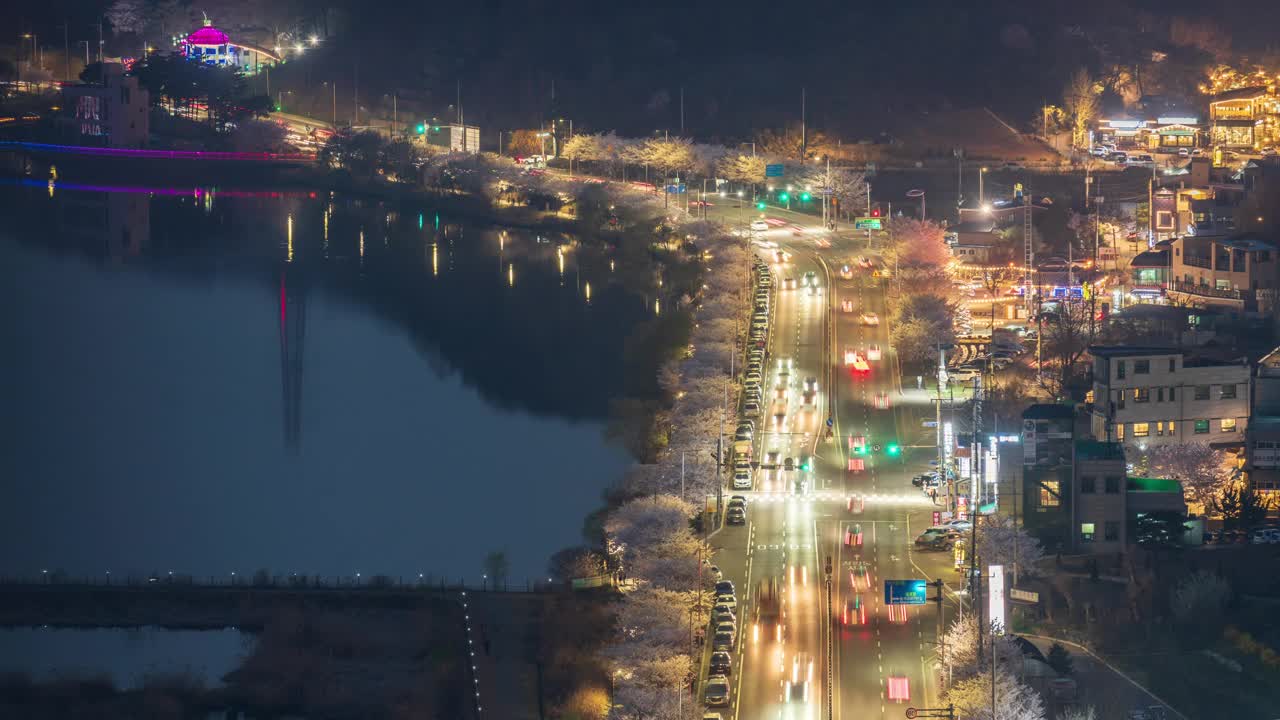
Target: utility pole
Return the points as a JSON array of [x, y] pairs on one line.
[[99, 26], [66, 51], [394, 113], [355, 94], [982, 198], [681, 111]]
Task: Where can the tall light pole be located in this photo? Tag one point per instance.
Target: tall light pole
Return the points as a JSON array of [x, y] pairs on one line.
[[982, 172]]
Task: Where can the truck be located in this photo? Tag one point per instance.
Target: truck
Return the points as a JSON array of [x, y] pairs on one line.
[[770, 615]]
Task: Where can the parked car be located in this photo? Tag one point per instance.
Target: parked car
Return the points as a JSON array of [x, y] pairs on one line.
[[721, 663], [931, 540], [717, 692]]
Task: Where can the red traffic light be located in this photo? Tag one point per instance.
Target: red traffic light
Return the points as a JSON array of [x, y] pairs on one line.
[[875, 212]]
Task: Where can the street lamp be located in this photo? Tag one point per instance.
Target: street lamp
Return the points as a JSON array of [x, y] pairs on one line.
[[313, 40], [542, 137], [981, 197]]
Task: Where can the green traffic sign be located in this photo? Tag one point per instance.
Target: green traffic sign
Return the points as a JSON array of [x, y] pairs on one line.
[[868, 223]]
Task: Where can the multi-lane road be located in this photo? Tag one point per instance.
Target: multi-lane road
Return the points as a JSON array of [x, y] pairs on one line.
[[843, 653]]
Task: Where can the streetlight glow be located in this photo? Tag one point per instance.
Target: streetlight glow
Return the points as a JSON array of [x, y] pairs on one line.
[[313, 40]]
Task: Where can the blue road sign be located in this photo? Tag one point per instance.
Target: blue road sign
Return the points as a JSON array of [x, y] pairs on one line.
[[773, 170], [676, 189], [906, 592], [830, 422]]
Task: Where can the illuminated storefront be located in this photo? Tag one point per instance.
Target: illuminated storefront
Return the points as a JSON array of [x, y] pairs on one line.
[[1245, 117]]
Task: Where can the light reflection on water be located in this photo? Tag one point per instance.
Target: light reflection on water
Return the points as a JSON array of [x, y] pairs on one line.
[[430, 416]]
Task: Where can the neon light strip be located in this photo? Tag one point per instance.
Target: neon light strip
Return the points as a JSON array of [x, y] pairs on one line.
[[155, 154]]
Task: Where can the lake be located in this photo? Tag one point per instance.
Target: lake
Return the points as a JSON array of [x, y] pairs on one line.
[[211, 382]]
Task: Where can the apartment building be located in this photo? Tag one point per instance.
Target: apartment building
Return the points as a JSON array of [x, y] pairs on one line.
[[1262, 451], [1146, 396]]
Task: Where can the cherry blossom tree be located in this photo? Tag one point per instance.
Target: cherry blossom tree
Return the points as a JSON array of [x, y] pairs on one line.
[[1202, 470], [1014, 700], [1002, 542], [914, 243], [648, 521]]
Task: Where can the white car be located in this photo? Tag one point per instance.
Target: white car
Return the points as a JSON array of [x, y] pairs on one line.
[[873, 352], [850, 355], [870, 318], [742, 480], [759, 225]]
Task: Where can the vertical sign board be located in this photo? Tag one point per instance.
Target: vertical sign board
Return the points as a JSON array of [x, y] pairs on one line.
[[906, 592], [995, 597]]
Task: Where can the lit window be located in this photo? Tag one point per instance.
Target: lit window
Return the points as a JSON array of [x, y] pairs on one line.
[[1228, 392], [1120, 432], [1159, 429], [1202, 427], [1141, 429], [1086, 532], [1049, 496], [1228, 425], [1141, 395], [1172, 428]]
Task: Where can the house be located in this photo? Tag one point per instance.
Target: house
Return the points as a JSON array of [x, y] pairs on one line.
[[1237, 271], [1244, 118], [1166, 132], [212, 46], [974, 242], [1099, 513], [114, 113], [1161, 395], [1048, 435], [1262, 446]]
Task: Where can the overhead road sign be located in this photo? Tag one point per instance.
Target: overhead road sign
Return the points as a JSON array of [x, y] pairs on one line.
[[906, 592], [868, 223], [773, 170]]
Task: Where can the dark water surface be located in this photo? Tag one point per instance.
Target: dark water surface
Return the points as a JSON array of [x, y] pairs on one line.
[[215, 383]]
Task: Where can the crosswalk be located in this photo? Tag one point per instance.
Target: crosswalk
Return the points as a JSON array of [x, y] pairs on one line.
[[909, 499]]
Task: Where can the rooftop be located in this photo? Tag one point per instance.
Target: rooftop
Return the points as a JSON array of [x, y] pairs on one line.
[[973, 226], [1153, 485], [1048, 411], [1247, 93], [1130, 351], [1098, 450], [1151, 258]]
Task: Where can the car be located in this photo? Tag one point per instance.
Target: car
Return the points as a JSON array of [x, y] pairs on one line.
[[789, 464], [748, 425], [870, 318], [864, 262], [1184, 153], [882, 400], [721, 663], [753, 376], [1098, 151], [723, 641], [922, 480], [724, 608], [751, 409], [729, 627], [726, 587], [808, 397], [779, 417], [860, 576], [850, 355], [737, 500], [759, 225], [846, 306], [811, 279], [742, 435], [855, 612], [771, 458], [873, 352], [811, 383], [931, 540], [780, 394], [736, 516], [853, 536], [859, 364], [797, 681], [789, 284], [712, 570], [784, 365], [742, 480], [846, 272], [717, 690], [961, 525], [728, 600]]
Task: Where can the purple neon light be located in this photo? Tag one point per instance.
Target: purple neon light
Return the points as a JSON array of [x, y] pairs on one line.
[[208, 35], [158, 154], [178, 192]]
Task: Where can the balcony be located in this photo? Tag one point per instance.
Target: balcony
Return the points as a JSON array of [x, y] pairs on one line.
[[1200, 262], [1206, 290]]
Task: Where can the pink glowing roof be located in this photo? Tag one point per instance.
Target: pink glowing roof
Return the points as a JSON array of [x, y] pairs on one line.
[[208, 35]]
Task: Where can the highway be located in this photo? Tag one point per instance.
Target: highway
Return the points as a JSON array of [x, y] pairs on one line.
[[874, 662]]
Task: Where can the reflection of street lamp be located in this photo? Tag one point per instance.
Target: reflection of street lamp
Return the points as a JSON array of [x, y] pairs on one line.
[[542, 137], [981, 197]]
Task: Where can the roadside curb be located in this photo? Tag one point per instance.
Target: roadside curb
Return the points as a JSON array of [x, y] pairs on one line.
[[1110, 667]]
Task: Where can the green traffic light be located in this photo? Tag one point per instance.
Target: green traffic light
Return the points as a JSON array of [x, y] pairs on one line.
[[783, 197], [760, 205], [804, 197], [894, 449], [421, 129], [862, 450]]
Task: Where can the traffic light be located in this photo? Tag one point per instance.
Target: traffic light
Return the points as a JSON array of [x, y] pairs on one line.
[[421, 128], [804, 197], [861, 450], [760, 205], [806, 464], [875, 211], [784, 197], [893, 449]]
